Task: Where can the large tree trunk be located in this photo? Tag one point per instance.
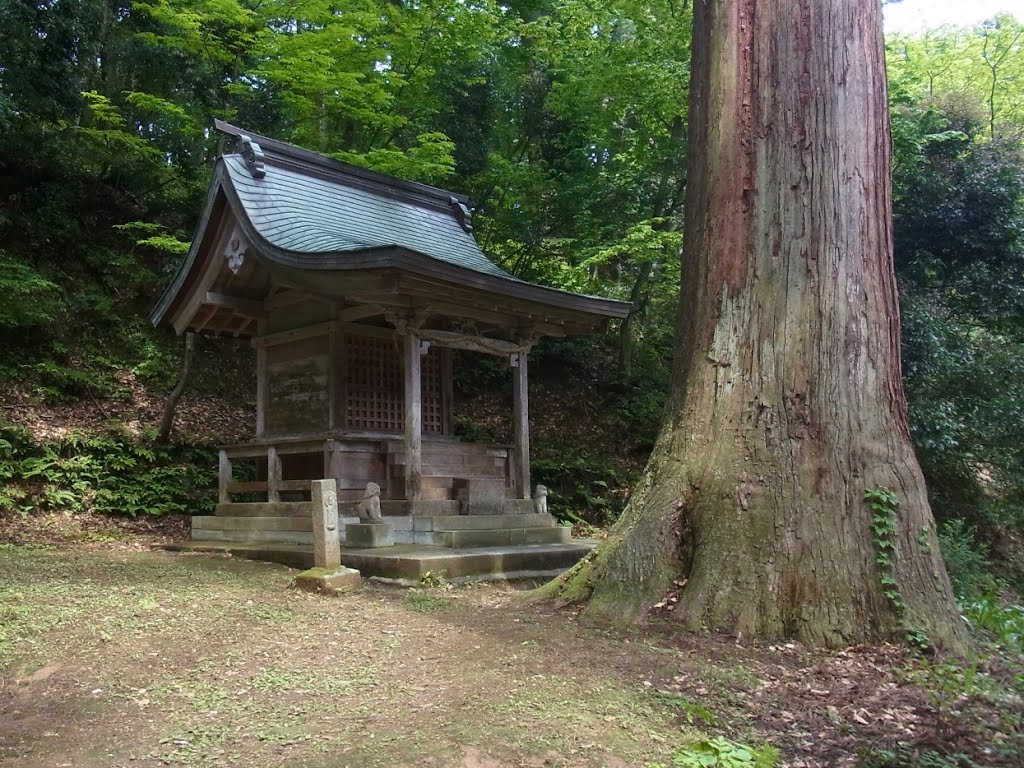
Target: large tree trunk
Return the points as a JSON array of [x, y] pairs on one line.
[[788, 401]]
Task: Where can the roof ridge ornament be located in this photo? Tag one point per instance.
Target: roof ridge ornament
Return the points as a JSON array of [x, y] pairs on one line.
[[252, 155], [462, 214]]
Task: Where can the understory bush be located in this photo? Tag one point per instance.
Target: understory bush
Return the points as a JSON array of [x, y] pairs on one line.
[[988, 613], [582, 487], [113, 473], [968, 567]]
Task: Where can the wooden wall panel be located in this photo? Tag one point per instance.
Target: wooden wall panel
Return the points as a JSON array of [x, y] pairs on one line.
[[298, 398]]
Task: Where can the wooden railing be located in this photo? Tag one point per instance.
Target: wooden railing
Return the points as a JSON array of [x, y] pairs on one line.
[[352, 462], [269, 453]]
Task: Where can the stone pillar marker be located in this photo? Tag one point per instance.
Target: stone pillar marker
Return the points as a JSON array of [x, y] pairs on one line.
[[326, 537], [328, 575]]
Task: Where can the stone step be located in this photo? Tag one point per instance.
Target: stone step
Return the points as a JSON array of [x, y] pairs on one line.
[[502, 537], [293, 555], [408, 563], [253, 523], [481, 522], [392, 507], [499, 507], [264, 509], [253, 537]]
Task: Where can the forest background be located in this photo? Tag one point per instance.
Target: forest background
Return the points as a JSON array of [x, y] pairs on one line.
[[565, 122]]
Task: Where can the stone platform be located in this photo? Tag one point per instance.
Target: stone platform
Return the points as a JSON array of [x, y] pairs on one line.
[[407, 563]]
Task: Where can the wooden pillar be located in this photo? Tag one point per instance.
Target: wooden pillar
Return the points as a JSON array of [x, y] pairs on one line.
[[223, 477], [521, 425], [273, 474], [262, 381], [413, 418]]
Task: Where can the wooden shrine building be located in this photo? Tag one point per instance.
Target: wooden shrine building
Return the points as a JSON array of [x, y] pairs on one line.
[[354, 287]]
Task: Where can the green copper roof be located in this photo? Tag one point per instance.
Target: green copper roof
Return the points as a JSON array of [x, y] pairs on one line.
[[313, 214], [301, 212]]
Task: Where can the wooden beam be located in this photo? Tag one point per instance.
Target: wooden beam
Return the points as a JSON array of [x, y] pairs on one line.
[[500, 319], [286, 298], [248, 307], [243, 322], [525, 311], [521, 425], [359, 312], [295, 334], [472, 343], [207, 317], [244, 328], [413, 418], [367, 330], [213, 262]]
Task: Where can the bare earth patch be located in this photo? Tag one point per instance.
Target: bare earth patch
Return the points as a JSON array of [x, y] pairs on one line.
[[121, 657]]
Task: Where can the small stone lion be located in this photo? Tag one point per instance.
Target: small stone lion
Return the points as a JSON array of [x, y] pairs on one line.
[[540, 500], [369, 507]]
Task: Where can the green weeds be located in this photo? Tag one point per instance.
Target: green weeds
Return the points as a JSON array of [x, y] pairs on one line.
[[111, 474], [424, 602], [722, 753]]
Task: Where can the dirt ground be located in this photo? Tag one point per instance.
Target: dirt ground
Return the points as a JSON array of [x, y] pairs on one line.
[[115, 655]]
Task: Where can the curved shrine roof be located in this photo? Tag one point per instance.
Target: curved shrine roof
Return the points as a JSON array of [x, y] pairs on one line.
[[303, 213], [312, 212]]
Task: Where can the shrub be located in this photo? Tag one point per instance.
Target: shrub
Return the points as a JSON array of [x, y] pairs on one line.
[[112, 474], [968, 567]]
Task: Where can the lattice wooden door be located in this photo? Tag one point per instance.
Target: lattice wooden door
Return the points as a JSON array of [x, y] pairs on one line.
[[375, 391]]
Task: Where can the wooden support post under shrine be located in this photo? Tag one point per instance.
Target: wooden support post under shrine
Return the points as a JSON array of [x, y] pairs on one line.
[[521, 425], [224, 472], [273, 474], [413, 417]]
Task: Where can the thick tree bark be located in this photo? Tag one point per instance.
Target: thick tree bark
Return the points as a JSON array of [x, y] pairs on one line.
[[788, 401]]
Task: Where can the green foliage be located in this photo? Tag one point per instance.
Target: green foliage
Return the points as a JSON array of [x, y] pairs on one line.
[[723, 754], [30, 300], [112, 474], [968, 567], [585, 483], [904, 756], [984, 65], [425, 602], [884, 508], [1005, 622], [959, 238], [693, 712]]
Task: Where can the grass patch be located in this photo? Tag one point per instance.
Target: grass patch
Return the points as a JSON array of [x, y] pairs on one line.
[[425, 602]]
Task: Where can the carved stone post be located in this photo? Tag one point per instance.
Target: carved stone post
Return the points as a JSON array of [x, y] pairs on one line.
[[521, 425], [326, 539]]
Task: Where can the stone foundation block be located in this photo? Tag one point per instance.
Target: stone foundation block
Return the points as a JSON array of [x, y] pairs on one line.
[[330, 581], [369, 535]]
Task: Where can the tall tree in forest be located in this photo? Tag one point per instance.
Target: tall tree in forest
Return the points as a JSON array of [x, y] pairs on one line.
[[788, 404]]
